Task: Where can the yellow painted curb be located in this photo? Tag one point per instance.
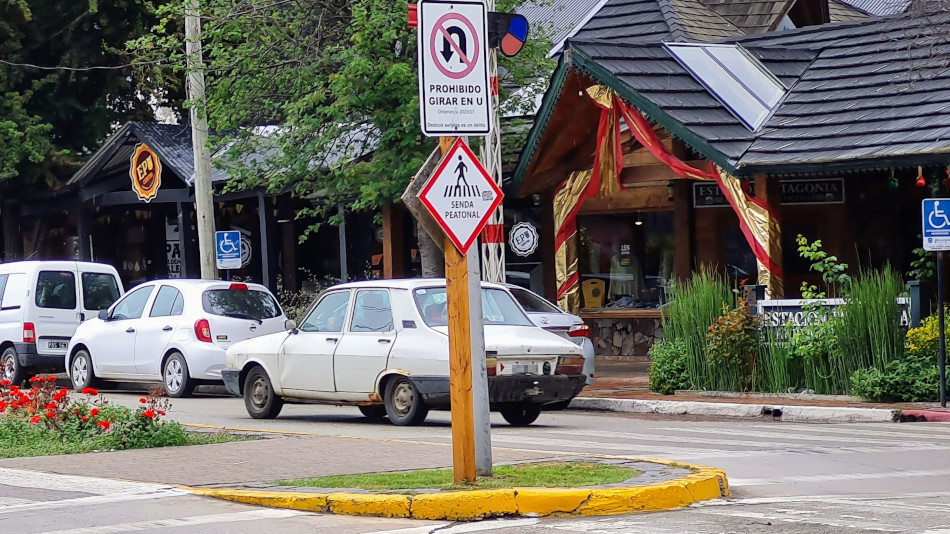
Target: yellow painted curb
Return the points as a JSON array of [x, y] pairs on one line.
[[703, 484]]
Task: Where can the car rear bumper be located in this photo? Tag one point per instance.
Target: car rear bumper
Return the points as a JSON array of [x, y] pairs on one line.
[[232, 381], [205, 360], [532, 389], [27, 356]]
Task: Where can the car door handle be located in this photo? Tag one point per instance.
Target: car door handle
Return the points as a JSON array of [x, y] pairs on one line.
[[130, 330], [333, 339], [167, 329], [384, 340]]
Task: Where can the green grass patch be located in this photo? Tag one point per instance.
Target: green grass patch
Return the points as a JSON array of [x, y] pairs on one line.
[[538, 475]]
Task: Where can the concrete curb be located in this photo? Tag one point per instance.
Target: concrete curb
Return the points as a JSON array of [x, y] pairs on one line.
[[785, 412], [929, 416], [703, 484]]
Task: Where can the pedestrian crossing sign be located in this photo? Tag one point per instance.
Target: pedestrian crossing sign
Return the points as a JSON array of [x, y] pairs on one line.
[[461, 196]]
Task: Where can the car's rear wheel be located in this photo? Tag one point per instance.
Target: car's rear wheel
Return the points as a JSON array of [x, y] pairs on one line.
[[175, 376], [80, 371], [521, 414], [404, 405], [10, 368], [259, 398], [373, 411]]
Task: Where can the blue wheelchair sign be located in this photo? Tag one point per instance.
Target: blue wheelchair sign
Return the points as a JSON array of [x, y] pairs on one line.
[[227, 249], [936, 223]]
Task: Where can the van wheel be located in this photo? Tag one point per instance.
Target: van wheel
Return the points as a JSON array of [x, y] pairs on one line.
[[80, 371], [175, 377], [259, 398], [521, 414], [10, 368], [404, 405]]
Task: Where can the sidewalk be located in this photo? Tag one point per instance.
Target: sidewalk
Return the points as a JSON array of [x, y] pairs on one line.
[[620, 388]]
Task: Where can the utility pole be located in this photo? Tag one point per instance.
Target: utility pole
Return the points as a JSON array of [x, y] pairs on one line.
[[493, 235], [204, 200]]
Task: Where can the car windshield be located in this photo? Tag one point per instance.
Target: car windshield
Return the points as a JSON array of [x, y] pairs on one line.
[[497, 307], [240, 303], [531, 302]]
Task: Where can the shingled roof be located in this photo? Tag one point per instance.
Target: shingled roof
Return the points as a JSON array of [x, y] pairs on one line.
[[868, 94]]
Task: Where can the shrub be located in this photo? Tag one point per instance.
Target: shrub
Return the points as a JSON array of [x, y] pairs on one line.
[[43, 419], [923, 341], [910, 379], [668, 369], [730, 347]]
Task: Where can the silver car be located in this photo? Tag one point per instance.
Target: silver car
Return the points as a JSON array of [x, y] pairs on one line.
[[553, 319]]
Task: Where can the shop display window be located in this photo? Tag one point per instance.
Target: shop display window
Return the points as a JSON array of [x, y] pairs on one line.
[[625, 261]]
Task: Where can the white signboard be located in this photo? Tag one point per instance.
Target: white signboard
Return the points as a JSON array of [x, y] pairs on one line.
[[453, 70], [523, 239], [461, 196]]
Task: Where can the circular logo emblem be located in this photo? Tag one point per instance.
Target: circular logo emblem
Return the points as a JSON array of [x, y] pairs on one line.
[[523, 239], [246, 251], [544, 320], [146, 172]]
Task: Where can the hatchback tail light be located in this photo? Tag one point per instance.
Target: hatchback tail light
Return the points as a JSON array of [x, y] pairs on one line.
[[579, 330], [490, 365], [238, 287], [569, 365], [203, 330], [29, 333]]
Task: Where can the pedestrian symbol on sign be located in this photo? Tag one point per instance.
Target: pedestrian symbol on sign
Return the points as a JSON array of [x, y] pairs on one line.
[[461, 187]]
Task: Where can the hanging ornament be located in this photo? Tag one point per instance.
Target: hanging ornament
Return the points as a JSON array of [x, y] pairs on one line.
[[921, 182], [892, 183]]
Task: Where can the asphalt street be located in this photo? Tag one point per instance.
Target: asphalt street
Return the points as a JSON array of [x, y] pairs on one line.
[[785, 477]]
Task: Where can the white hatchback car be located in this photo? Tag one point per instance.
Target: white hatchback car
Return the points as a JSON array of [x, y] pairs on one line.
[[173, 331], [383, 345]]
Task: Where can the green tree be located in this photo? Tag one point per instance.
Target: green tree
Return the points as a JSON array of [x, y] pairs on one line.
[[59, 93], [323, 93]]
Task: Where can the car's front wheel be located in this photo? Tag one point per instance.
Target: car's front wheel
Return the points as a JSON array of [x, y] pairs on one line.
[[175, 376], [404, 405], [10, 368], [80, 371], [521, 414], [259, 398]]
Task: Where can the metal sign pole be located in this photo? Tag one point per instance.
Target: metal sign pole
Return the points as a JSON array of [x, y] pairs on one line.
[[942, 345]]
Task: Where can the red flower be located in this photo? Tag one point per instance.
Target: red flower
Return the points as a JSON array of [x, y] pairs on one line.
[[50, 415], [103, 425], [3, 406], [92, 392], [84, 419], [34, 420], [34, 379], [51, 378], [59, 396], [148, 414], [5, 382], [14, 405], [51, 406], [30, 410], [75, 412], [14, 389], [143, 401], [161, 412], [94, 412]]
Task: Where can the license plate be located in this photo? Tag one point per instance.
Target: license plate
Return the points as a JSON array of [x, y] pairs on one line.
[[57, 344], [521, 368]]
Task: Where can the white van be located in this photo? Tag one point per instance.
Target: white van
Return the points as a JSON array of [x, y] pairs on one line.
[[41, 304]]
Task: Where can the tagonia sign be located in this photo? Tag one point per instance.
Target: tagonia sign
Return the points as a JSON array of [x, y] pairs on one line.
[[822, 191], [146, 172]]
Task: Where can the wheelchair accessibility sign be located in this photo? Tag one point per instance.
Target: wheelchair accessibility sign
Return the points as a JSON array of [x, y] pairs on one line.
[[227, 249], [936, 224]]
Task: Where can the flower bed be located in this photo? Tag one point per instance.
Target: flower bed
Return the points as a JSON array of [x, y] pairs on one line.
[[43, 419]]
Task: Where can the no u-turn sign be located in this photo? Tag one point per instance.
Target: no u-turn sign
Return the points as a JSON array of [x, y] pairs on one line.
[[453, 70]]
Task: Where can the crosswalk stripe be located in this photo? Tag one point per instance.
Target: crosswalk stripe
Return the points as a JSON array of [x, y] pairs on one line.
[[834, 477], [98, 486], [252, 515]]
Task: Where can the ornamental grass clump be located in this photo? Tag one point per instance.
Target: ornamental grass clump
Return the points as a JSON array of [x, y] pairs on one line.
[[868, 329], [694, 305], [43, 419]]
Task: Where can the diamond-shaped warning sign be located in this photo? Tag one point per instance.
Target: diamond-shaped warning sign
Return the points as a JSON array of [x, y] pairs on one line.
[[461, 196]]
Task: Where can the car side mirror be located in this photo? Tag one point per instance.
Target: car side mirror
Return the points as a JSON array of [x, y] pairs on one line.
[[104, 315], [290, 325]]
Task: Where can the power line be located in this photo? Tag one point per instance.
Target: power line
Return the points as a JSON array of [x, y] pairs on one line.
[[83, 69]]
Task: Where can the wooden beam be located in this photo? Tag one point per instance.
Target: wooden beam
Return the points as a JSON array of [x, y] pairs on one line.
[[682, 229], [651, 197], [393, 248], [129, 198], [770, 190]]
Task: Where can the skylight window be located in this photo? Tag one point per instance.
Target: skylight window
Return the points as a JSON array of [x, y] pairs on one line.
[[734, 77]]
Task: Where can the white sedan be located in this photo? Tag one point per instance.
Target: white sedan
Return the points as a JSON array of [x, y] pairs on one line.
[[173, 331], [382, 345]]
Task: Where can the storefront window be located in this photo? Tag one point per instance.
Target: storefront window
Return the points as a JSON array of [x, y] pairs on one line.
[[626, 261]]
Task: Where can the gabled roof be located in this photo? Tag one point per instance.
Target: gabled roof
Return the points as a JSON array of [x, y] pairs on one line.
[[627, 21], [860, 95], [558, 17]]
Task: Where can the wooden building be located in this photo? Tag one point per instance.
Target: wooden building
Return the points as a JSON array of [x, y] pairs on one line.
[[667, 155]]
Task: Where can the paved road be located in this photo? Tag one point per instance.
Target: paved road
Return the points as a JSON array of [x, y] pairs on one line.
[[786, 477]]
